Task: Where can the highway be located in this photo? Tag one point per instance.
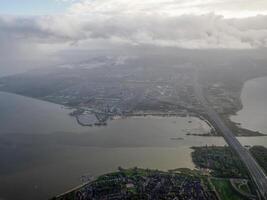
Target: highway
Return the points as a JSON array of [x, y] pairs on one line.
[[256, 172]]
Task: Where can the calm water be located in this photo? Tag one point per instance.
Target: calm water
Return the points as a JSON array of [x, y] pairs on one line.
[[253, 116], [44, 151]]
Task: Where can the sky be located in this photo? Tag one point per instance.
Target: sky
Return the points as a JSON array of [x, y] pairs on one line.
[[227, 8], [31, 31], [33, 7]]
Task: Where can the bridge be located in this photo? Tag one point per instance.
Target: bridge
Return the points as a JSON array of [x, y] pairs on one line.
[[256, 172]]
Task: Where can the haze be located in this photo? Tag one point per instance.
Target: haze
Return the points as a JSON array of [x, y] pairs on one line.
[[35, 33], [166, 98]]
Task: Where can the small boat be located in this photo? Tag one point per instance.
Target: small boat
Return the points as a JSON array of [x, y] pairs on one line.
[[177, 138]]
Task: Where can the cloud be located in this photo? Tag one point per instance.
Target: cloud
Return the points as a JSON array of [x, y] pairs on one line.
[[100, 24], [227, 8], [186, 31], [175, 23]]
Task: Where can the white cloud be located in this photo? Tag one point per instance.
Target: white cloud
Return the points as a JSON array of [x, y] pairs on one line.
[[227, 8], [91, 24], [187, 31], [176, 23]]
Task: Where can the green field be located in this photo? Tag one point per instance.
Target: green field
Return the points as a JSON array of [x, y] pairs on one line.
[[225, 190], [222, 161], [260, 154]]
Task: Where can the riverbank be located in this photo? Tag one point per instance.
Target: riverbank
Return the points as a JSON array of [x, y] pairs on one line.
[[139, 183], [227, 111], [220, 174], [253, 114], [228, 99]]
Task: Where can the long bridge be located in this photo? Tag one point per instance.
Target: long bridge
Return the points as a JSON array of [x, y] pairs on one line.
[[257, 174]]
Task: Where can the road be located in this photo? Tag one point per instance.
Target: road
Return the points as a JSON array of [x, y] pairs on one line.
[[254, 169]]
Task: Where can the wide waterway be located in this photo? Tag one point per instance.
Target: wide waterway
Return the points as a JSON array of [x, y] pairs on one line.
[[44, 151], [253, 116]]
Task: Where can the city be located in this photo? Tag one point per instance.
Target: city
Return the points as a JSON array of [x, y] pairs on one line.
[[133, 100]]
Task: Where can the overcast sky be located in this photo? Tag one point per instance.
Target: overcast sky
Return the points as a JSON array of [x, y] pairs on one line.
[[31, 31]]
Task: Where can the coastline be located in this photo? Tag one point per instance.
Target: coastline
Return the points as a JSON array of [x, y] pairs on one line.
[[226, 116], [236, 126]]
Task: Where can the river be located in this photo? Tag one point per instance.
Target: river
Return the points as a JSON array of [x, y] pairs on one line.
[[45, 152], [253, 116]]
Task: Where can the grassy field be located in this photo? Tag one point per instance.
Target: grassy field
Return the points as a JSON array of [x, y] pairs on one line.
[[222, 161], [225, 190], [244, 188], [260, 154]]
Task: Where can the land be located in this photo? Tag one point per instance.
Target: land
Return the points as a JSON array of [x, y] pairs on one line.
[[159, 83], [229, 175], [222, 162], [219, 174], [101, 88], [143, 184], [226, 191], [260, 154], [255, 171]]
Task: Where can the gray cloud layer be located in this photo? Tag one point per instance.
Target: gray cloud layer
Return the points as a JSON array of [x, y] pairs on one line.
[[101, 23], [186, 31]]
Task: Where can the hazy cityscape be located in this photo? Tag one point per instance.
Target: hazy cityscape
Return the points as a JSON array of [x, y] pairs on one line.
[[113, 99]]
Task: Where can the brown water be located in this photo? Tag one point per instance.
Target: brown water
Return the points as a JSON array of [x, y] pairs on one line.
[[45, 152], [253, 116]]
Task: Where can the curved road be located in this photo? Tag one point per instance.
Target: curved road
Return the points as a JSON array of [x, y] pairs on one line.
[[254, 169]]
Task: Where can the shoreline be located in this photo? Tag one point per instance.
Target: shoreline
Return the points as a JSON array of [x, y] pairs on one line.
[[236, 127], [227, 113]]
